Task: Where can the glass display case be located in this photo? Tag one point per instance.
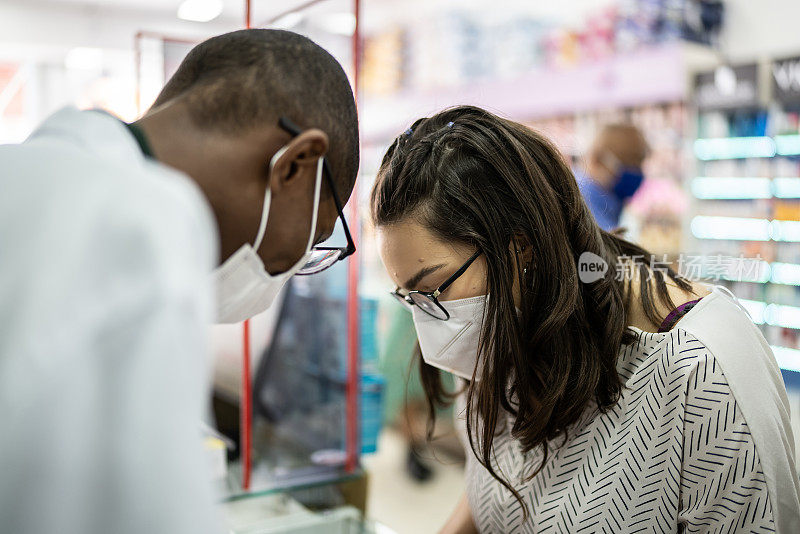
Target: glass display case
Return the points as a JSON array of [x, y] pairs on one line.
[[300, 407]]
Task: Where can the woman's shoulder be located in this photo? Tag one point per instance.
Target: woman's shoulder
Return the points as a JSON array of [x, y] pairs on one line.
[[716, 337], [717, 329], [668, 358], [722, 325]]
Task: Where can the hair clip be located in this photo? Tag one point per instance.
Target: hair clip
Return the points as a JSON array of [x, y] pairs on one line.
[[408, 132], [450, 124]]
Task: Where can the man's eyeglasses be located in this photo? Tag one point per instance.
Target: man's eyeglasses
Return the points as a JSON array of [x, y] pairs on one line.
[[428, 301], [323, 257]]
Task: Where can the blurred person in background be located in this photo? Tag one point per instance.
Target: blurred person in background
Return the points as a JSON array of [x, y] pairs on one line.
[[588, 401], [613, 172], [114, 239]]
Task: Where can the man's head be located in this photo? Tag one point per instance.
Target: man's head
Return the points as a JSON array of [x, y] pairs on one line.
[[217, 120], [616, 147]]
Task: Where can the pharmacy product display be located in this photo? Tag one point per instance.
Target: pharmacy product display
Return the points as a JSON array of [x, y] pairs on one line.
[[746, 189], [460, 47]]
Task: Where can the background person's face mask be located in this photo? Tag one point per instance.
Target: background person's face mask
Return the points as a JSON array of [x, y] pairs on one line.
[[244, 287], [627, 180], [452, 345]]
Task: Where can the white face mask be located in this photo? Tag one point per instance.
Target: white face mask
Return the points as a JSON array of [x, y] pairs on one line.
[[244, 287], [452, 345]]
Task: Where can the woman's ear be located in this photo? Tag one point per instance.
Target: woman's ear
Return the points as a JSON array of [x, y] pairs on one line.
[[520, 247]]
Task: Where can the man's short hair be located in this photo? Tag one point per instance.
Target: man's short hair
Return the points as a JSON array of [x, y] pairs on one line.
[[249, 78]]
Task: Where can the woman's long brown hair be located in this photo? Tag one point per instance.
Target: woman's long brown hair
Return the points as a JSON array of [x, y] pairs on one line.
[[474, 178]]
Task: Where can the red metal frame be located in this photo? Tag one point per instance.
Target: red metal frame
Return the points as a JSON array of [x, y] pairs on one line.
[[246, 410], [353, 322], [246, 403]]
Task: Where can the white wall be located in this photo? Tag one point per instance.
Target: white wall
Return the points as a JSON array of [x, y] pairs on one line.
[[40, 34], [758, 29], [35, 30]]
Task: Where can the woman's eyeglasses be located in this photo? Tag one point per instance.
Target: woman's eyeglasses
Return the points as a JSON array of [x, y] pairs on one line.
[[428, 301], [323, 257]]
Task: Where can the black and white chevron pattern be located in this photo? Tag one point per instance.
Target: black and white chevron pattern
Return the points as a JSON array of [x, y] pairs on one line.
[[674, 455]]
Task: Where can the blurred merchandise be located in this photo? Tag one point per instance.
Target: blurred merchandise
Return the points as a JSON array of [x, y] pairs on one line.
[[383, 71], [747, 192], [460, 46]]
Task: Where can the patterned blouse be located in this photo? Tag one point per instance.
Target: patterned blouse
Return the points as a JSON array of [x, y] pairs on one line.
[[674, 455]]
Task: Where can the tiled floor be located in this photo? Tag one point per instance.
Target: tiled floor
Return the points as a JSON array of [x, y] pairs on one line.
[[406, 506]]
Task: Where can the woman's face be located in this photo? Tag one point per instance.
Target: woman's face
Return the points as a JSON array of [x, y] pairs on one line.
[[417, 260]]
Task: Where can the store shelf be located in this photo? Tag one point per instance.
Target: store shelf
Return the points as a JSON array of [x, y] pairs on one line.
[[745, 229], [719, 188], [788, 359], [746, 147], [784, 316], [731, 228], [785, 274], [786, 231], [772, 314], [614, 82], [706, 188], [734, 148], [787, 145], [786, 187]]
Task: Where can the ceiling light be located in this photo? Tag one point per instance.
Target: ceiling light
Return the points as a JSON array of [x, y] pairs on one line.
[[200, 10], [84, 58]]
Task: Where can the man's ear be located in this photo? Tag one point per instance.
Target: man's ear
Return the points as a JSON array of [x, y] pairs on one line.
[[302, 152]]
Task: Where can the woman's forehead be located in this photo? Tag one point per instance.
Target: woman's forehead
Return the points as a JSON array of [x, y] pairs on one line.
[[405, 248]]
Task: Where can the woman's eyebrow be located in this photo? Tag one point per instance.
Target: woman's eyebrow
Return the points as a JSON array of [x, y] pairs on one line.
[[412, 282]]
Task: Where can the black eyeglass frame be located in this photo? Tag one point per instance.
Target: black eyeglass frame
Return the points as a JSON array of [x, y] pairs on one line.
[[433, 296], [292, 129]]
